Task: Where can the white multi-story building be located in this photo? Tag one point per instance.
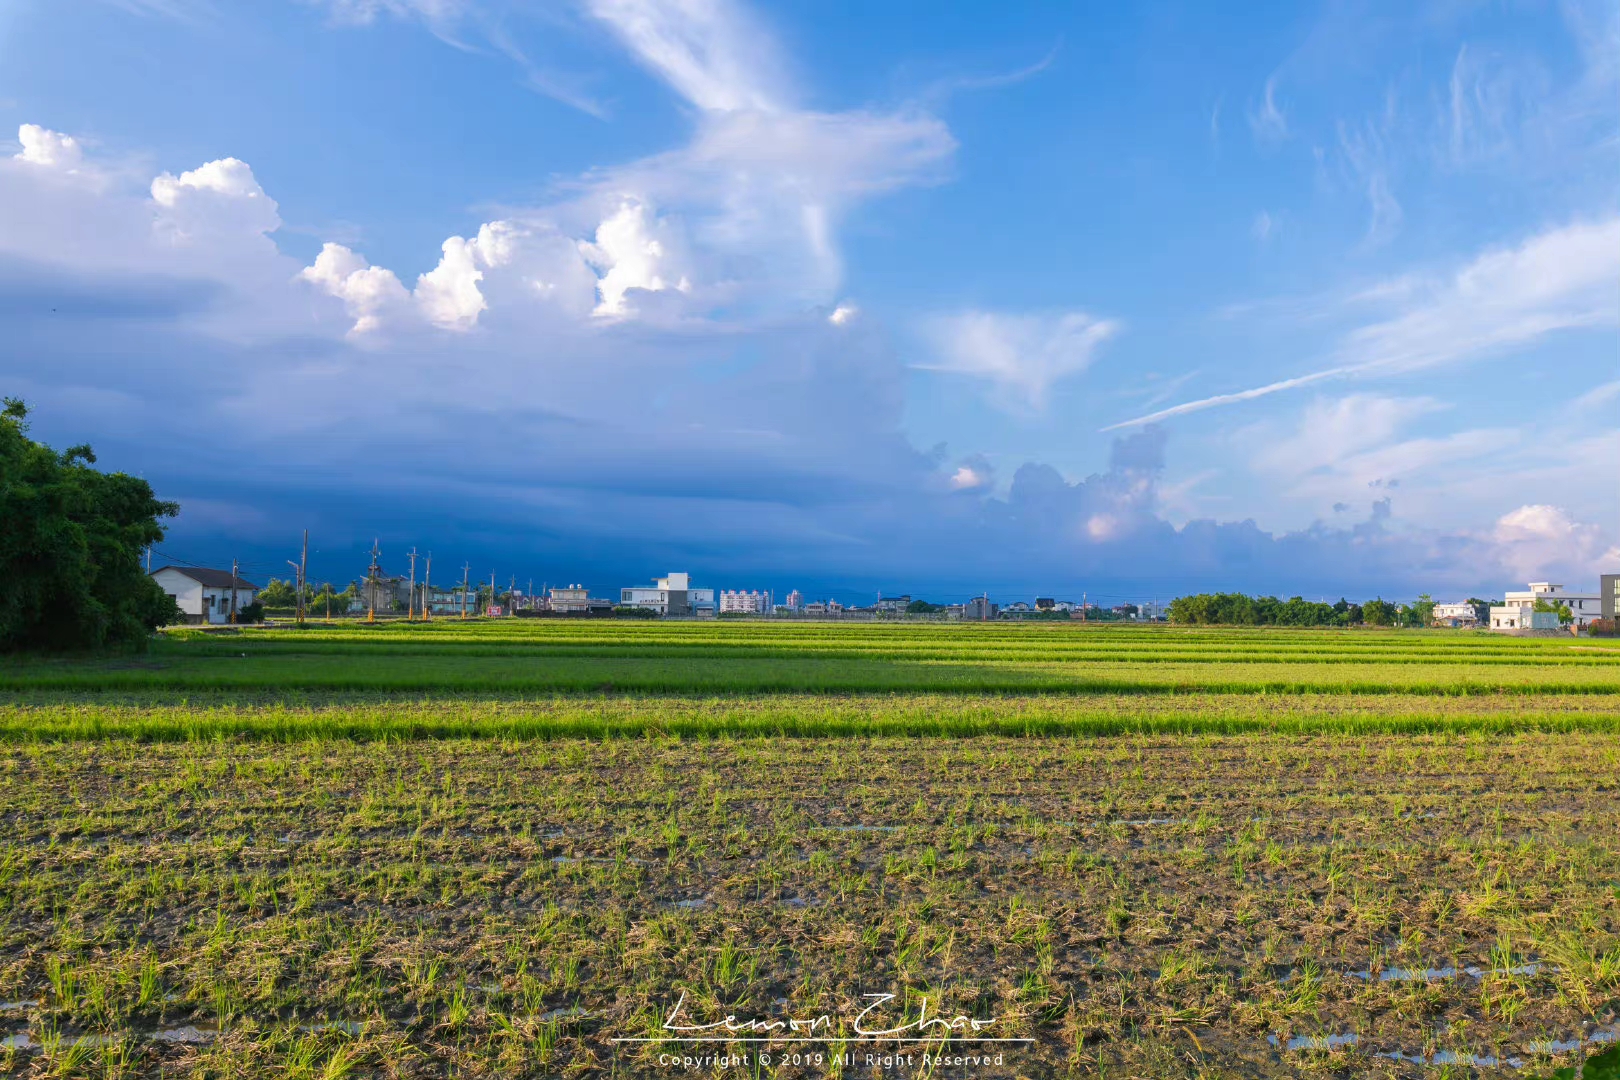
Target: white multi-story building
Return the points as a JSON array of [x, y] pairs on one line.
[[735, 601], [1455, 614], [1517, 610], [795, 600], [672, 595]]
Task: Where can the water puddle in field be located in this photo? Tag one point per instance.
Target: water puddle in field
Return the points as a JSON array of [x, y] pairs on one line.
[[1485, 1059], [190, 1035], [348, 1027], [1451, 1057], [1437, 974], [691, 905], [570, 1013], [861, 828], [1317, 1042], [13, 1006]]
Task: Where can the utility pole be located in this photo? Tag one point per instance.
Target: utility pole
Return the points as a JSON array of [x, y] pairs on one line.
[[410, 606], [491, 591], [511, 594], [1084, 614], [427, 577], [531, 594], [233, 591], [303, 577], [148, 558], [373, 572], [298, 592], [466, 568]]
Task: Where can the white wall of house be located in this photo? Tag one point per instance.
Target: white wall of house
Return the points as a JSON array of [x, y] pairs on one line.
[[186, 592]]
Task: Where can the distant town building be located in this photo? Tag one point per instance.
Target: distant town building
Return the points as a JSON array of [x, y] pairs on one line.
[[893, 605], [814, 607], [1609, 595], [980, 609], [574, 600], [795, 600], [1456, 615], [672, 595], [205, 596], [1517, 610], [1018, 607], [1045, 603], [737, 602], [438, 600]]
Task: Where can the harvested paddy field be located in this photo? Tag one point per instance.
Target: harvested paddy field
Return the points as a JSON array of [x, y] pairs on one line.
[[1374, 875]]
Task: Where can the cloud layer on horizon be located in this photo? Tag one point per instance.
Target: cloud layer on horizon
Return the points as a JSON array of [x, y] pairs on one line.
[[662, 361]]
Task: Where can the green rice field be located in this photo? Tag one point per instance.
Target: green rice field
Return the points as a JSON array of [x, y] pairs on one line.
[[578, 849]]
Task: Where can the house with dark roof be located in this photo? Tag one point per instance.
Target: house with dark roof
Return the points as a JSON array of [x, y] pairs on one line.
[[205, 596]]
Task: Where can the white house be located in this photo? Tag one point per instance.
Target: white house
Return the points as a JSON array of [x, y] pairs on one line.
[[1455, 614], [672, 595], [204, 596], [1517, 610]]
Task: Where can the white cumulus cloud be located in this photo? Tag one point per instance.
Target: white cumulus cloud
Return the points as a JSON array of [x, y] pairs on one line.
[[630, 251], [448, 294], [366, 291], [1539, 539], [217, 198], [42, 146]]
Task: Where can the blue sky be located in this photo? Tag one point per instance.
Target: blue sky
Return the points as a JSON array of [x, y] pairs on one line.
[[1129, 299]]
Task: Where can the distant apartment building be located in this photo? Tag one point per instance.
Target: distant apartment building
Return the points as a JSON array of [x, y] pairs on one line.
[[1018, 607], [795, 600], [205, 596], [1517, 610], [737, 602], [814, 607], [893, 605], [672, 595], [980, 609], [574, 600], [1609, 596]]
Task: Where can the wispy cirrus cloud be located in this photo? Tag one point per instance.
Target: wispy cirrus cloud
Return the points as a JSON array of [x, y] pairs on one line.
[[1022, 355], [1561, 279], [1266, 119]]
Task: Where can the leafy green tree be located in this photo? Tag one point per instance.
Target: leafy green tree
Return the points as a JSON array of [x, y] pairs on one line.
[[1557, 607], [1420, 613], [1378, 612], [71, 539], [278, 594], [922, 607]]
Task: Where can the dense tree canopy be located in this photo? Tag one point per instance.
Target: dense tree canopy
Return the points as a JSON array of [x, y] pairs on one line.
[[1236, 609], [71, 539]]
